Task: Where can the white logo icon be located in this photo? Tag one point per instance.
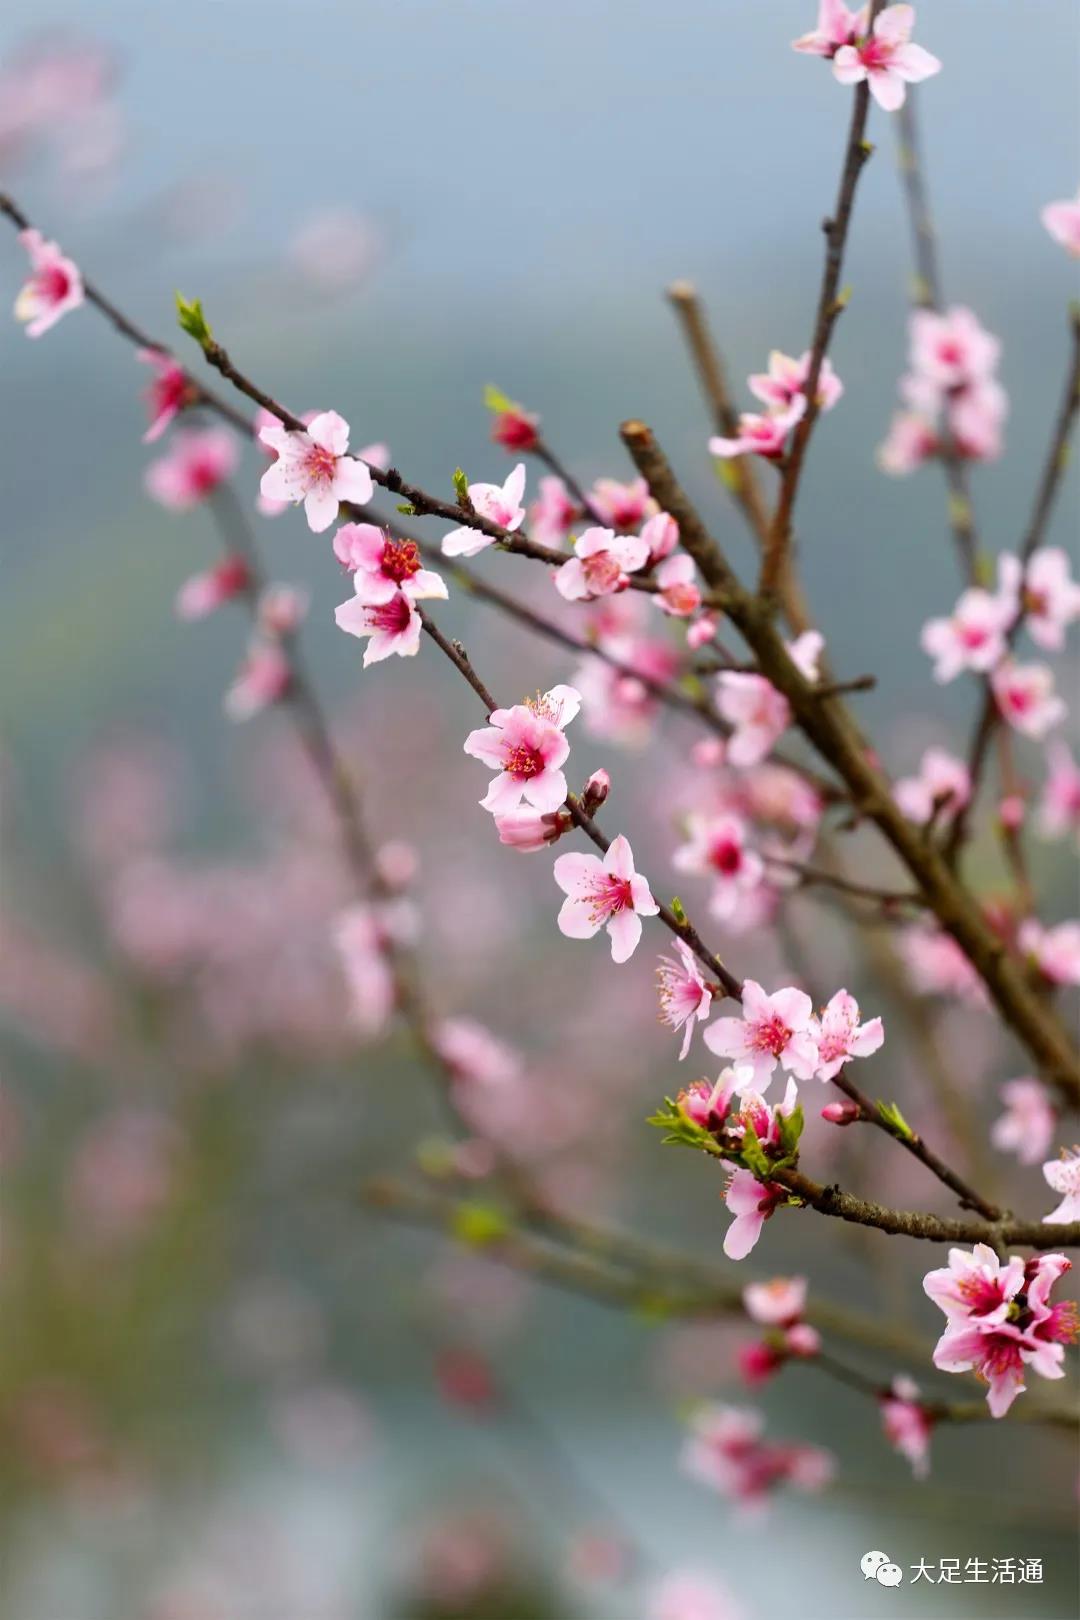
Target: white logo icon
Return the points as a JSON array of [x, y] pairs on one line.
[[877, 1566]]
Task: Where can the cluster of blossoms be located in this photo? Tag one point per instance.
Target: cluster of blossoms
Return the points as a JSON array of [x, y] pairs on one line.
[[1000, 1319], [778, 1307], [725, 1451], [952, 399], [782, 390], [883, 56]]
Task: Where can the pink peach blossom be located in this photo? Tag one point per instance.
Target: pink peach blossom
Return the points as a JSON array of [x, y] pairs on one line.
[[263, 680], [602, 563], [197, 462], [1059, 810], [943, 784], [661, 534], [785, 382], [381, 565], [938, 966], [203, 593], [281, 610], [498, 503], [907, 1424], [911, 440], [313, 467], [364, 935], [840, 1036], [474, 1056], [551, 516], [725, 1451], [777, 1303], [529, 830], [976, 1288], [773, 1029], [718, 846], [1062, 220], [394, 627], [167, 394], [973, 637], [1048, 595], [998, 1356], [760, 435], [886, 58], [621, 506], [604, 894], [1056, 951], [527, 746], [1026, 697], [516, 429], [685, 998], [757, 712], [54, 286], [951, 349], [836, 26], [680, 594], [1027, 1126]]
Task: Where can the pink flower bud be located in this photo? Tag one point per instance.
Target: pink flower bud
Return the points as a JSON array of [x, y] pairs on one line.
[[596, 791], [841, 1113], [1011, 812], [802, 1340], [516, 430], [701, 632], [759, 1361], [528, 830]]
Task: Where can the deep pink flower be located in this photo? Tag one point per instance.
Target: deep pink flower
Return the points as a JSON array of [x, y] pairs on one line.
[[1062, 220], [167, 394], [314, 467], [1063, 1175], [887, 58], [840, 1036], [709, 1106], [381, 565], [393, 626], [263, 680], [685, 998], [621, 506], [1056, 951], [976, 1288], [1026, 697], [1059, 811], [198, 460], [604, 894], [773, 1029], [527, 746], [760, 435], [54, 285], [836, 26], [785, 382], [516, 429], [907, 1425], [498, 503], [943, 784], [973, 637], [718, 845], [203, 593], [601, 565], [1027, 1126]]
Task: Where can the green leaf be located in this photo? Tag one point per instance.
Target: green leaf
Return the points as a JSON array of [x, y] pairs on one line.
[[895, 1120], [479, 1224], [791, 1128], [729, 473], [497, 401], [753, 1154], [189, 313], [677, 911], [461, 485], [407, 510]]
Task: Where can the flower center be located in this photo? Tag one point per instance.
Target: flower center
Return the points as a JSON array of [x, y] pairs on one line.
[[391, 617], [400, 560], [602, 572], [53, 283], [726, 856], [771, 1035], [320, 464], [611, 895], [523, 762]]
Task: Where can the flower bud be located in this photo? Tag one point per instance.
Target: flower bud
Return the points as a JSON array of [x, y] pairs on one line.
[[529, 831], [516, 430], [841, 1113], [596, 791]]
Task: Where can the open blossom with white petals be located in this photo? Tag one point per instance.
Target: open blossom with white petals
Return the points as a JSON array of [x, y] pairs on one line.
[[718, 845], [1063, 1175], [1049, 596], [760, 435], [773, 1029], [1062, 220], [621, 506], [498, 503], [785, 382], [1059, 810], [1027, 1126], [393, 626], [840, 1036], [836, 26], [973, 637], [314, 467], [381, 565], [197, 462], [1056, 951], [602, 564], [527, 747], [604, 894], [887, 58], [1026, 697], [907, 1424], [685, 998], [167, 394], [54, 285], [943, 784]]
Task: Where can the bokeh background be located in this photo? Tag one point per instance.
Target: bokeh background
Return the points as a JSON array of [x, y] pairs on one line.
[[218, 1373]]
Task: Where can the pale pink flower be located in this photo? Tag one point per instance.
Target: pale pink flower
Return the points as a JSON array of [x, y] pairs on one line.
[[943, 783], [1056, 951], [686, 1595], [840, 1036], [718, 845], [911, 440], [907, 1425], [281, 609], [1026, 697], [1059, 811], [604, 894], [1049, 597], [773, 1029], [54, 285], [602, 564], [167, 394], [938, 966], [951, 349], [685, 998], [976, 416], [701, 632], [529, 830], [382, 566], [498, 503], [263, 680], [474, 1056], [313, 467], [527, 746], [621, 506], [887, 58], [661, 535], [203, 593], [1004, 1323], [777, 1303], [973, 637], [1027, 1126], [680, 594], [976, 1288], [551, 516], [726, 1452], [618, 704], [363, 939], [757, 712], [393, 626], [785, 382], [760, 435], [1062, 220], [197, 462], [836, 26], [334, 250]]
